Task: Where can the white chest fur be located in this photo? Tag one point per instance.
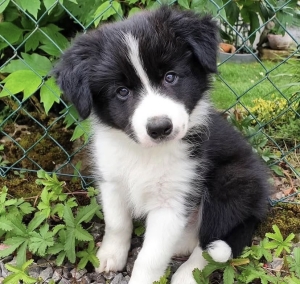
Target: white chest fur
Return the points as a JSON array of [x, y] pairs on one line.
[[149, 178]]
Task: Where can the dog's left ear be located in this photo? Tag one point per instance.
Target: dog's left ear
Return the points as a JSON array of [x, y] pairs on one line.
[[202, 34], [73, 71]]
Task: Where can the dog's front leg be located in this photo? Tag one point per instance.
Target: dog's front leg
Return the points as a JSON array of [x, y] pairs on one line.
[[118, 228], [163, 230]]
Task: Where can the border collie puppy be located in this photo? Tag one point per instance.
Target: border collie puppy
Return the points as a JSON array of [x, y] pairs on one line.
[[160, 150]]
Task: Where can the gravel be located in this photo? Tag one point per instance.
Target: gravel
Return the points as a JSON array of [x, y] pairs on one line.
[[46, 270]]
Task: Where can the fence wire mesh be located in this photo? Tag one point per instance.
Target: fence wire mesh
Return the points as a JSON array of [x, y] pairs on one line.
[[39, 130]]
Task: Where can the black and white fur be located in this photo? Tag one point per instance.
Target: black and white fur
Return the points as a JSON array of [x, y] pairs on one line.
[[160, 150]]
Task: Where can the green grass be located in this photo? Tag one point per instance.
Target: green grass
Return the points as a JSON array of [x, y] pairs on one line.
[[246, 82]]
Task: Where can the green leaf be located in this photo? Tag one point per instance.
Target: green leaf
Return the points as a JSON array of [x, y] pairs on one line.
[[19, 274], [295, 265], [32, 41], [13, 243], [60, 258], [32, 6], [184, 3], [36, 221], [85, 213], [48, 4], [5, 224], [70, 245], [68, 217], [21, 254], [10, 32], [133, 11], [56, 248], [25, 81], [50, 93], [19, 227], [57, 43], [199, 277], [3, 5], [228, 276], [277, 235], [106, 10], [39, 242], [81, 129], [139, 231], [40, 64], [81, 234]]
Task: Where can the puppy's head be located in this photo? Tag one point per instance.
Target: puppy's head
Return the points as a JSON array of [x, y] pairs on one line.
[[143, 76]]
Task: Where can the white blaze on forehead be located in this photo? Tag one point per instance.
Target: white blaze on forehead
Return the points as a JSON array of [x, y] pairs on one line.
[[136, 61]]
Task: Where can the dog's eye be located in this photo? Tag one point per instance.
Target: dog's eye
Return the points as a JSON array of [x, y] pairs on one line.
[[171, 77], [122, 93]]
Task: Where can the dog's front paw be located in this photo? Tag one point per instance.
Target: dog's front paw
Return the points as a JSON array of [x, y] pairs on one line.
[[112, 257], [184, 274]]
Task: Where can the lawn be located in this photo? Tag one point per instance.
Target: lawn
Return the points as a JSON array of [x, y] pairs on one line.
[[246, 82]]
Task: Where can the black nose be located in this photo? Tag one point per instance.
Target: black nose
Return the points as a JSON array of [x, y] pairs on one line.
[[159, 127]]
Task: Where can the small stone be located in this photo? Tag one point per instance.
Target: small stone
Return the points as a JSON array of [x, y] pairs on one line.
[[46, 273], [85, 280], [66, 273], [97, 277], [110, 275], [1, 279], [57, 275], [277, 263], [34, 271], [64, 281], [44, 263], [77, 274], [118, 279]]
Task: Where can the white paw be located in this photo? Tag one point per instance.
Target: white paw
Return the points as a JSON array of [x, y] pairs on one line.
[[112, 256], [220, 251], [184, 275]]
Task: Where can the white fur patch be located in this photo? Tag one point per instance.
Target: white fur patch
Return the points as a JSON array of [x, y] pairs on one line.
[[220, 251], [200, 114]]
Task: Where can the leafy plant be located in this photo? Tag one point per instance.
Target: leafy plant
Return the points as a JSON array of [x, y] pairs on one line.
[[19, 274], [56, 228], [240, 19], [251, 266]]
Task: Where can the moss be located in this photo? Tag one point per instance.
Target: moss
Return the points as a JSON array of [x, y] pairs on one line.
[[285, 216], [25, 186], [36, 147]]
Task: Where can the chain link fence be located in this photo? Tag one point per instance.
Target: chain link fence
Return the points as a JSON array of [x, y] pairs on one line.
[[38, 130]]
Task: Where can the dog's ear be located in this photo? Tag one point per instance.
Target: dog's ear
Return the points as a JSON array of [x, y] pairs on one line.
[[72, 74], [202, 34]]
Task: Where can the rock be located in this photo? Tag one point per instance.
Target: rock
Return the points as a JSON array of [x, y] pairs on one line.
[[46, 273], [118, 279], [66, 273], [64, 281], [110, 275], [57, 275], [97, 277], [3, 271], [78, 274], [85, 280], [131, 259], [277, 263], [44, 263], [34, 271]]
